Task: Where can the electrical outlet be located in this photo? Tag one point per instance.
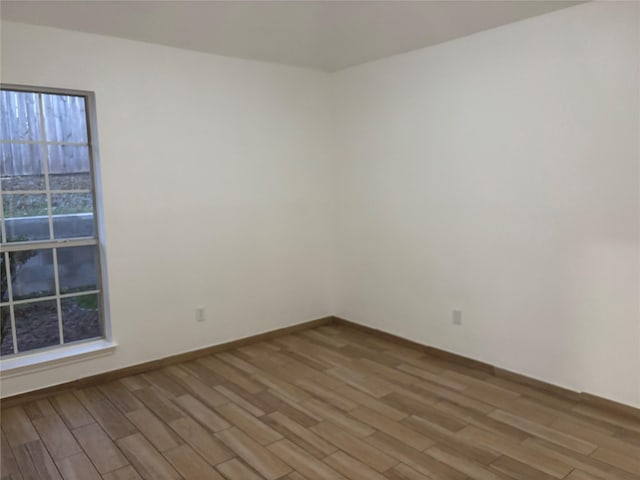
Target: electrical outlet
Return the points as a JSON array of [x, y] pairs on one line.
[[457, 317], [200, 314]]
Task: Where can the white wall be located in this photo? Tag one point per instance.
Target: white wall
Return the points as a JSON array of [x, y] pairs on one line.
[[215, 174], [499, 174]]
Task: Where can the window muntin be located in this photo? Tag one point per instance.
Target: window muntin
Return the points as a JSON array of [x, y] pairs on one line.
[[51, 290]]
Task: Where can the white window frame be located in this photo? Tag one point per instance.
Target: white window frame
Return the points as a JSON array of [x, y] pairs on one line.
[[54, 354]]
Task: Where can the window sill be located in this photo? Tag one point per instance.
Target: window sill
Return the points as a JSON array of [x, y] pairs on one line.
[[45, 360]]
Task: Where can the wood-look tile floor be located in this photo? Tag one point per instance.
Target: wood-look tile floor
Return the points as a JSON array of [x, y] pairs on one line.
[[327, 403]]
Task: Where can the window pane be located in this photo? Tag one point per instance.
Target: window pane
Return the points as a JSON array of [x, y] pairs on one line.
[[37, 325], [65, 203], [21, 166], [64, 118], [26, 217], [72, 215], [77, 268], [19, 116], [6, 339], [47, 193], [32, 273], [24, 205], [69, 167], [70, 181], [4, 284], [80, 319]]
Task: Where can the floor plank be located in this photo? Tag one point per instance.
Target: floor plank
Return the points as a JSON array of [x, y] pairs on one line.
[[533, 458], [354, 446], [191, 465], [616, 459], [77, 467], [56, 436], [148, 462], [391, 428], [156, 431], [234, 469], [302, 462], [404, 472], [35, 462], [125, 473], [39, 409], [9, 468], [71, 410], [300, 435], [518, 470], [17, 427], [120, 396], [249, 424], [549, 434], [264, 461], [471, 468], [203, 414], [415, 459], [162, 406], [104, 454], [106, 414], [195, 386], [351, 468], [201, 440], [330, 403]]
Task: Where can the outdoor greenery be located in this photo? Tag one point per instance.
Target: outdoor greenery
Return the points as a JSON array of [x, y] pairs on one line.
[[17, 259], [89, 302], [46, 133], [32, 205]]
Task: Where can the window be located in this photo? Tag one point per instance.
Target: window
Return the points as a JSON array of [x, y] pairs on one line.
[[51, 291]]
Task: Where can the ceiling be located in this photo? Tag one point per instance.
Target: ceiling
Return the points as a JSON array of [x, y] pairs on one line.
[[325, 35]]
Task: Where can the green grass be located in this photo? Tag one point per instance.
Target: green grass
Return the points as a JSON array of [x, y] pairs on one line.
[[36, 204], [89, 302]]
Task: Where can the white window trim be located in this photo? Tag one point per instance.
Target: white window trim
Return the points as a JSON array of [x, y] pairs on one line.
[[55, 357], [65, 354]]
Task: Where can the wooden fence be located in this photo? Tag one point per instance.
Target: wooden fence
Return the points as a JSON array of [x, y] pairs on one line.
[[64, 129]]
